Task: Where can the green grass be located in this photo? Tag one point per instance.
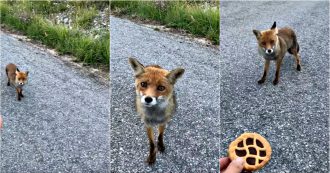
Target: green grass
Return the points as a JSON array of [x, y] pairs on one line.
[[84, 18], [191, 16], [32, 22]]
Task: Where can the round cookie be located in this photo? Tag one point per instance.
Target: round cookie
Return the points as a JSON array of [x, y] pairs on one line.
[[253, 148]]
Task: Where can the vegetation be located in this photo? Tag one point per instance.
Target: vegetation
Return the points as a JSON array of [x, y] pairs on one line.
[[39, 20], [199, 18]]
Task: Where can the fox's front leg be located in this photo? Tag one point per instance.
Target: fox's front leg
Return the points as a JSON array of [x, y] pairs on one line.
[[21, 93], [152, 150], [277, 73], [160, 144], [18, 90], [266, 67]]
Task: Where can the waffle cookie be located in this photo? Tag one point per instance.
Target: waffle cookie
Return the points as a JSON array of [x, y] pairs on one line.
[[254, 148]]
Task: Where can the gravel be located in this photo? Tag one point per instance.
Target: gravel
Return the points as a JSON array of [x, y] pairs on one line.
[[294, 115], [192, 137], [62, 123]]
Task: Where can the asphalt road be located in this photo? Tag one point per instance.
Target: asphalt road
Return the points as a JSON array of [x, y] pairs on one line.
[[62, 123], [294, 115], [192, 137]]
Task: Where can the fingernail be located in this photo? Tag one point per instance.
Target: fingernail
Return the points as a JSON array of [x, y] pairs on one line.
[[240, 160]]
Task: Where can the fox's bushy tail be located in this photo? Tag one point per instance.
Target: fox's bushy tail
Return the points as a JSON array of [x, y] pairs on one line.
[[7, 70], [294, 44]]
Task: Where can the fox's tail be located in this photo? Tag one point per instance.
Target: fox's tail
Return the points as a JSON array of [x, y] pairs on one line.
[[294, 44], [7, 71]]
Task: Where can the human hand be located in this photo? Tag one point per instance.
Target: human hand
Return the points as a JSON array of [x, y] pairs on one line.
[[228, 166], [0, 121]]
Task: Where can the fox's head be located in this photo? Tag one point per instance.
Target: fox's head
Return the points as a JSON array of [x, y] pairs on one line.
[[154, 84], [21, 78], [267, 39]]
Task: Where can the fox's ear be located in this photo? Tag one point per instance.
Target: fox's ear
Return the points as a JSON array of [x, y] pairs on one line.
[[174, 75], [27, 73], [136, 66], [274, 26], [257, 33]]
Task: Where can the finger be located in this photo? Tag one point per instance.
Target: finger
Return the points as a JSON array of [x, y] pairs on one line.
[[235, 166], [224, 162], [0, 121]]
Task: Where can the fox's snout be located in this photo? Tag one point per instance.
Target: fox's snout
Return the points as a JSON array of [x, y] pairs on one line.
[[269, 51], [150, 101]]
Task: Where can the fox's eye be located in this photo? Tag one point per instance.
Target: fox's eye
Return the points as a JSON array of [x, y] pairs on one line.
[[160, 88], [19, 79], [271, 41], [263, 43], [144, 84]]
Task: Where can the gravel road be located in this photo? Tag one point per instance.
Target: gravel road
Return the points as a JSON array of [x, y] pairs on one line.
[[192, 137], [62, 123], [294, 115]]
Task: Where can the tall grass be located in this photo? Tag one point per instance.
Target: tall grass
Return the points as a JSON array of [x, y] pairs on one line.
[[191, 16], [84, 17], [31, 22]]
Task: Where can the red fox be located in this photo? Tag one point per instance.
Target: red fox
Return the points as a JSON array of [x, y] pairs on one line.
[[155, 100], [273, 44], [16, 78]]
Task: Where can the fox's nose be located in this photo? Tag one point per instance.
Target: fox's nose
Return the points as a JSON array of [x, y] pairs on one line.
[[148, 99], [269, 51], [21, 83]]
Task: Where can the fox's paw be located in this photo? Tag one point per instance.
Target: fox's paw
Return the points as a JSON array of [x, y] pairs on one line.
[[298, 67], [8, 83], [275, 82], [161, 147], [151, 159], [261, 81], [22, 95]]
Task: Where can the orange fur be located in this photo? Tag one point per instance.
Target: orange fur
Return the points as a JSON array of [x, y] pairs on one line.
[[154, 77], [16, 78], [155, 84], [267, 39], [273, 44]]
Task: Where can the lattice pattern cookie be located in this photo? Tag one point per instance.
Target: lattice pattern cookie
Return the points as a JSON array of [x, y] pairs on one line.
[[254, 148]]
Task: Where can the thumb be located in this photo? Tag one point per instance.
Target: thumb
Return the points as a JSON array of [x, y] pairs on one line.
[[236, 166], [0, 122]]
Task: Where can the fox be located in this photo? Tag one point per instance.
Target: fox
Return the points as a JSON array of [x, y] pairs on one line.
[[16, 78], [155, 100], [273, 44]]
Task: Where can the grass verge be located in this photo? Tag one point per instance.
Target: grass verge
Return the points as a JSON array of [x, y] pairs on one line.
[[196, 17], [29, 18]]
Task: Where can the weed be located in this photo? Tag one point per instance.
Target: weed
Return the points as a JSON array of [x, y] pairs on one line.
[[193, 16], [31, 20]]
